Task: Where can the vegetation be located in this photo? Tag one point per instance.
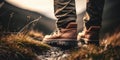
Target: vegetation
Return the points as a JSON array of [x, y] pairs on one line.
[[109, 49], [26, 46], [21, 47]]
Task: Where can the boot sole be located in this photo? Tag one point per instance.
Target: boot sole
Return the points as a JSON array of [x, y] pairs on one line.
[[63, 43], [95, 42]]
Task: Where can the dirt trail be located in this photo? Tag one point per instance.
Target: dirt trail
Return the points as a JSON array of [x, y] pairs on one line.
[[56, 53]]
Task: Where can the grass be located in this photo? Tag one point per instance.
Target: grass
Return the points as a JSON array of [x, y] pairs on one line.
[[109, 49], [20, 47], [27, 46]]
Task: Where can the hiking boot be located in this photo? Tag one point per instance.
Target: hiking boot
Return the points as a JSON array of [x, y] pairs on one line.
[[63, 36], [90, 36], [93, 20]]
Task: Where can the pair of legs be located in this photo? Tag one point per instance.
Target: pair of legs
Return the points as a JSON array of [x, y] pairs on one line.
[[65, 12]]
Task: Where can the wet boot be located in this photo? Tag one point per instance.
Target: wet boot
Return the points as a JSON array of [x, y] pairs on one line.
[[63, 36], [92, 19]]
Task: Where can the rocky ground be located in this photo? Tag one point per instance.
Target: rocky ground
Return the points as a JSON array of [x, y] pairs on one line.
[[57, 53]]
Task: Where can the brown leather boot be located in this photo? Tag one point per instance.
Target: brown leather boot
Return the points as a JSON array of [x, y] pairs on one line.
[[90, 36], [64, 36], [93, 20]]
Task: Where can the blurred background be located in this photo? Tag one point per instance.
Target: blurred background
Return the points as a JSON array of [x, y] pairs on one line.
[[17, 15]]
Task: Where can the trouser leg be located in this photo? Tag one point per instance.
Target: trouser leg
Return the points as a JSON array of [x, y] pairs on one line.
[[65, 12], [94, 10]]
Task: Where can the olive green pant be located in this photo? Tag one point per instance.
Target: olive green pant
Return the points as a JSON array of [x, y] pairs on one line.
[[65, 12]]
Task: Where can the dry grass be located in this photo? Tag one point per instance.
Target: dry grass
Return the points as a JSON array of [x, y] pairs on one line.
[[36, 35], [20, 47], [109, 49], [23, 47]]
